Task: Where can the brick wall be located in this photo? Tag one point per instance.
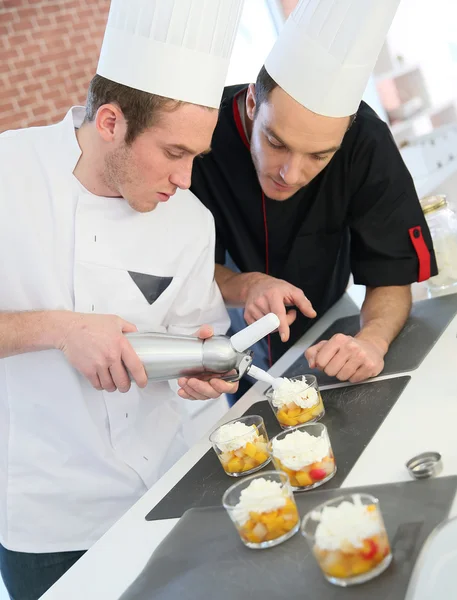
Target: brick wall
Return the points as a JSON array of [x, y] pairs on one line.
[[48, 54]]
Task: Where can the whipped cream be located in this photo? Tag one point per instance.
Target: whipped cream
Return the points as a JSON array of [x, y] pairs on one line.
[[298, 391], [299, 448], [261, 495], [347, 523], [234, 435]]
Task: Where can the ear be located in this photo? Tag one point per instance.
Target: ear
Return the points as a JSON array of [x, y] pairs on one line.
[[110, 122], [250, 101]]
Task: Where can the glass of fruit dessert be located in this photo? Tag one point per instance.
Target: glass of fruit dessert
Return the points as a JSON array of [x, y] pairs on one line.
[[296, 401], [305, 454], [263, 509], [348, 539], [241, 445]]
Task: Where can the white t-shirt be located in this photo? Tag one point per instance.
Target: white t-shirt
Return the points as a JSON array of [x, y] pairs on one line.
[[73, 459]]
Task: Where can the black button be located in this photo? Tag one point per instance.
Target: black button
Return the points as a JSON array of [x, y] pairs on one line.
[[417, 233]]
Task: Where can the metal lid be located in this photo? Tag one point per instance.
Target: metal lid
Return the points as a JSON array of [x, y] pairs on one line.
[[431, 203], [425, 465]]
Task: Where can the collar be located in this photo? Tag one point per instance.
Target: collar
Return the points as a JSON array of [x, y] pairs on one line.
[[238, 120], [71, 152]]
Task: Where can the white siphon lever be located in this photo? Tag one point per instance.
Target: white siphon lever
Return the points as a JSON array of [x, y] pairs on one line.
[[262, 375], [250, 335]]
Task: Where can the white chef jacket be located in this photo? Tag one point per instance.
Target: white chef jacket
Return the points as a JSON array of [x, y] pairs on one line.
[[74, 459]]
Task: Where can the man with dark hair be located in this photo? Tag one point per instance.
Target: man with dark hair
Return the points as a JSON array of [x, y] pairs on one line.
[[306, 185], [102, 237]]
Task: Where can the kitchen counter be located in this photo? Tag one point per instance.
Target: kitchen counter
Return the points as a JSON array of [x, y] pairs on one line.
[[422, 419]]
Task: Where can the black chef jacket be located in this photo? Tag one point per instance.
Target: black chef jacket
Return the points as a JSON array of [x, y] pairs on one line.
[[360, 214]]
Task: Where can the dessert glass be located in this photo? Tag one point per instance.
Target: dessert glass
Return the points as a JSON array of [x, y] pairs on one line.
[[347, 562], [242, 455], [291, 414], [308, 475], [263, 527]]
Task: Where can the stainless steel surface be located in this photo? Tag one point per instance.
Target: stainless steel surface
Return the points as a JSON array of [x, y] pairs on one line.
[[425, 465], [170, 356]]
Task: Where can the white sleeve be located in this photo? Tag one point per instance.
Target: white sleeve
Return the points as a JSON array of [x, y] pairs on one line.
[[200, 301]]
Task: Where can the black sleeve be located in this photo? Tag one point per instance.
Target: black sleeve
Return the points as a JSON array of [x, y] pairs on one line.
[[201, 188], [385, 215]]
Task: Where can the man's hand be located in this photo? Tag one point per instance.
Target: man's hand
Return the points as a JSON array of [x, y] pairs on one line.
[[347, 358], [267, 294], [96, 347], [197, 389]]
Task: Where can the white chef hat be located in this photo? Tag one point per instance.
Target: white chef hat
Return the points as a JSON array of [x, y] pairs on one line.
[[327, 50], [179, 49]]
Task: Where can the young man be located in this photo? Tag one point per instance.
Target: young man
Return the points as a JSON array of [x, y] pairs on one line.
[[100, 237], [306, 185]]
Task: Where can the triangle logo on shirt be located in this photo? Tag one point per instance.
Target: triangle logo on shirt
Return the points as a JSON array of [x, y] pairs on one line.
[[151, 286]]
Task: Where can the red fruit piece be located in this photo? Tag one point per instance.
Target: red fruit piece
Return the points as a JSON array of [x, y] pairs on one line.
[[370, 548], [318, 474]]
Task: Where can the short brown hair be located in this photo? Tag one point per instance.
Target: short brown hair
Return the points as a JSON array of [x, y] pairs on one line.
[[265, 84], [140, 109]]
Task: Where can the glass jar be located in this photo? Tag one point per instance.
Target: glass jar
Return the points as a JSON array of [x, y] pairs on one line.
[[442, 222]]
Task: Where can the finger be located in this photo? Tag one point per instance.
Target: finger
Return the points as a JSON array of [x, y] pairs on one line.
[[360, 375], [207, 389], [94, 379], [195, 391], [277, 307], [349, 370], [187, 394], [336, 344], [302, 303], [133, 365], [106, 380], [291, 316], [120, 377], [252, 314], [263, 304], [367, 370], [205, 332], [224, 387], [128, 327], [312, 352], [338, 362]]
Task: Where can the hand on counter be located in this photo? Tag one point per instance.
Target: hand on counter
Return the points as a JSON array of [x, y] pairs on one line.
[[199, 389], [347, 358], [267, 294], [96, 347]]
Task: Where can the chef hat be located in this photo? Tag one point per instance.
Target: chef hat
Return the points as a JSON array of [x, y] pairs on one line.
[[327, 50], [179, 49]]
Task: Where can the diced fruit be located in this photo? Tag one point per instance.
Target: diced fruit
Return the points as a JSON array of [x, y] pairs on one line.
[[308, 475], [294, 413], [337, 570], [260, 530], [270, 525], [261, 457], [269, 517], [250, 456], [318, 474], [234, 465], [249, 463], [370, 548], [359, 566], [303, 478], [250, 449], [349, 561]]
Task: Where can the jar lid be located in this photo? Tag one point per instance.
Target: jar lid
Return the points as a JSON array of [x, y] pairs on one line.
[[425, 465], [431, 203]]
